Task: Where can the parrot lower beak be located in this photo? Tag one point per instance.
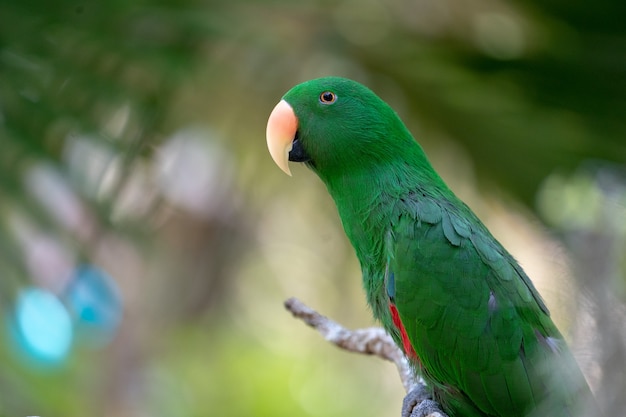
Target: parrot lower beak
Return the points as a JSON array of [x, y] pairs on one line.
[[282, 126]]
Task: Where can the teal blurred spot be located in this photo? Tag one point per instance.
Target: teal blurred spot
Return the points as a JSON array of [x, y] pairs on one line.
[[94, 301], [43, 327]]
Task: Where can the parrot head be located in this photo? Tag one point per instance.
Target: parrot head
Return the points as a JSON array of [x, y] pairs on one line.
[[335, 125]]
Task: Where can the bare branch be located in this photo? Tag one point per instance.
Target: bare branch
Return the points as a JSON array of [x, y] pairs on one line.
[[369, 341]]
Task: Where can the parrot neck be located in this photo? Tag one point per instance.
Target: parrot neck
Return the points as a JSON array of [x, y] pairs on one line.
[[369, 201], [366, 200]]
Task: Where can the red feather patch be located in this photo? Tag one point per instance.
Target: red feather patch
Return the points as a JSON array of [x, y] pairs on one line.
[[406, 343]]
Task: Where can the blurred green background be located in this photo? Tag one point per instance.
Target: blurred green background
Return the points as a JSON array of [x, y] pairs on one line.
[[147, 241]]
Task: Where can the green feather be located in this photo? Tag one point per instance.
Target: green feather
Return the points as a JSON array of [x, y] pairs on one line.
[[483, 335]]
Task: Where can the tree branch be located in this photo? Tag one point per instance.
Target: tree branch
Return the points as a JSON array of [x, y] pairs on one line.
[[369, 341]]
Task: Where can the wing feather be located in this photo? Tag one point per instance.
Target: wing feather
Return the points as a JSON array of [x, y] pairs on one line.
[[474, 318]]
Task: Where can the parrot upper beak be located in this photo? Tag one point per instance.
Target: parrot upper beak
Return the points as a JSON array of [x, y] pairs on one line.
[[282, 126]]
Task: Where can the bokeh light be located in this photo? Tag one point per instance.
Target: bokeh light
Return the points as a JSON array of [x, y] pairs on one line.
[[94, 302], [41, 326]]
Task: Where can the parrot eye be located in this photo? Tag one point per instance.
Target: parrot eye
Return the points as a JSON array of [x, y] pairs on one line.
[[327, 97]]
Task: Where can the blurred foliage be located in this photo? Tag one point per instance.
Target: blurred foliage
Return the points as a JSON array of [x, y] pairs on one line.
[[132, 139]]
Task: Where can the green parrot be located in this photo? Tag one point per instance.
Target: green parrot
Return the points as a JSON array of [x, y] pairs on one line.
[[463, 311]]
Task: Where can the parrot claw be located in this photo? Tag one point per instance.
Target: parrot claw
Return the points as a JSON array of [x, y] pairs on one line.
[[419, 403]]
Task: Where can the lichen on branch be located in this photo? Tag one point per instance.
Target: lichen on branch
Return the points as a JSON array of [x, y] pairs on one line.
[[368, 341]]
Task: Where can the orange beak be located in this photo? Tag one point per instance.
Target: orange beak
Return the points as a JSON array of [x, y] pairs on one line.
[[281, 131]]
